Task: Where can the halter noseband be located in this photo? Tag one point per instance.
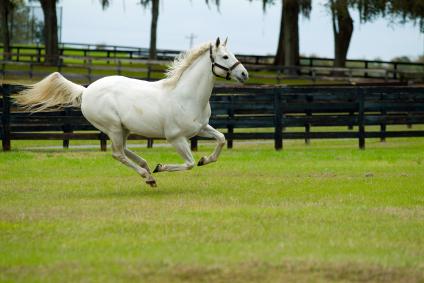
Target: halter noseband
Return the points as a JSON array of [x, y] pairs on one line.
[[228, 70]]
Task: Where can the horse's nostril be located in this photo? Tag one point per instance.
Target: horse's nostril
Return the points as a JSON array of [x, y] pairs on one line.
[[243, 74]]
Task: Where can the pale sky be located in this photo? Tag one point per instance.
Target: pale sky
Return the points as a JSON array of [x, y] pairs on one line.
[[250, 31]]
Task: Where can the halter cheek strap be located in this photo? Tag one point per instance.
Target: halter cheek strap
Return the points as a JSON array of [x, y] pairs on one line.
[[226, 69]]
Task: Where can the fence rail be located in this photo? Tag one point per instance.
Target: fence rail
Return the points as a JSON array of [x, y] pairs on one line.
[[246, 113], [90, 69], [310, 67]]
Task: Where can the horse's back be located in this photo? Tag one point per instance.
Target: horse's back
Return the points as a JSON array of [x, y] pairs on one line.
[[116, 101], [118, 85]]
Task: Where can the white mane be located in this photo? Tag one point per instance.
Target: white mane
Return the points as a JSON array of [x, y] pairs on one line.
[[183, 61]]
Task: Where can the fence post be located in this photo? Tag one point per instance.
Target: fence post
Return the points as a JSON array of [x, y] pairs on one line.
[[3, 71], [395, 67], [59, 66], [89, 71], [66, 128], [193, 143], [383, 128], [308, 113], [366, 67], [31, 67], [278, 129], [119, 67], [103, 141], [149, 143], [351, 114], [311, 64], [38, 54], [149, 72], [5, 118], [361, 117], [278, 75], [230, 127]]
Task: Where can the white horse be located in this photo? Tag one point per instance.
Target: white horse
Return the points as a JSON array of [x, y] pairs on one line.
[[175, 108]]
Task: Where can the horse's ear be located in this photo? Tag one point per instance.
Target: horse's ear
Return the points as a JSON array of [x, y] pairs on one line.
[[225, 41], [218, 41]]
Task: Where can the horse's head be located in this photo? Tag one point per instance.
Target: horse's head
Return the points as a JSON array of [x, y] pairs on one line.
[[225, 64]]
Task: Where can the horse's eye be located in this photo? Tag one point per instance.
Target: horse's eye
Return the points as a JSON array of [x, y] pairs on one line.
[[225, 57]]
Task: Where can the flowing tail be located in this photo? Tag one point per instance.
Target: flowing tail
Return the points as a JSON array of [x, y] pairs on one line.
[[53, 93]]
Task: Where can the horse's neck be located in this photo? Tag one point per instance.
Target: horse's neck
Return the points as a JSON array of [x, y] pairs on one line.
[[196, 84]]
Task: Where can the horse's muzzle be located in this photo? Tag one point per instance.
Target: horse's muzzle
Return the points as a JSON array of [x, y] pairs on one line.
[[242, 77]]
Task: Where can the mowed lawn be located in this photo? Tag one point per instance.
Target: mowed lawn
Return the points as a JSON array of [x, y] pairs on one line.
[[327, 212]]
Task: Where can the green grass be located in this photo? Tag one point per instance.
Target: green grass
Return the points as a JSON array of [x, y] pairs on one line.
[[318, 213]]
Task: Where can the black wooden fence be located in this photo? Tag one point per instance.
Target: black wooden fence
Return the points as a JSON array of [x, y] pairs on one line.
[[254, 113], [82, 56], [36, 54]]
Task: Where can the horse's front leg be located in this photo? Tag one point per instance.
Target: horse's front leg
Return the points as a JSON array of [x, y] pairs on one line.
[[183, 148], [209, 132]]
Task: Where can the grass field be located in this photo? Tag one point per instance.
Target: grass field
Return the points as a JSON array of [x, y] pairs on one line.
[[326, 212]]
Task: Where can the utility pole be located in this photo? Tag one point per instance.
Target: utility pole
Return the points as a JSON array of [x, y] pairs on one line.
[[191, 37]]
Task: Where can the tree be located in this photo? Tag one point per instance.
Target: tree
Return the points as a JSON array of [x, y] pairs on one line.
[[342, 30], [288, 41], [6, 8], [291, 33], [50, 31], [406, 10], [217, 2], [17, 26], [279, 56], [104, 3], [153, 26]]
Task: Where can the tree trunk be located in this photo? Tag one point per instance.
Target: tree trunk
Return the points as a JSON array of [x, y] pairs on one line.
[[279, 57], [4, 10], [291, 35], [50, 32], [153, 29], [342, 29]]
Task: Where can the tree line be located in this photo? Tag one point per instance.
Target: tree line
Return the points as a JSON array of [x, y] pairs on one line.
[[287, 51]]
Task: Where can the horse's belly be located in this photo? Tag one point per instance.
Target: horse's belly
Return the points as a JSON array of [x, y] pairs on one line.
[[143, 119], [184, 127], [144, 128], [115, 102]]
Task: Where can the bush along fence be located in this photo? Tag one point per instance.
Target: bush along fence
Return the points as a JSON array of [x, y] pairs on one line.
[[254, 113]]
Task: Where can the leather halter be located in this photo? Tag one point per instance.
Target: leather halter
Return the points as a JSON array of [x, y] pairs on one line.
[[226, 69]]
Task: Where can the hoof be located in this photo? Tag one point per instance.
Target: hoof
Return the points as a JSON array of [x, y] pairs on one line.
[[151, 183], [201, 161], [157, 169]]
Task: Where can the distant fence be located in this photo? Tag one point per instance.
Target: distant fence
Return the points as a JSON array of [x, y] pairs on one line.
[[89, 69], [86, 70], [83, 56], [253, 113]]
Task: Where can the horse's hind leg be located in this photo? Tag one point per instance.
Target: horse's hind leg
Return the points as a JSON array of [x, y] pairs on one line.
[[118, 152], [137, 159], [133, 156]]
